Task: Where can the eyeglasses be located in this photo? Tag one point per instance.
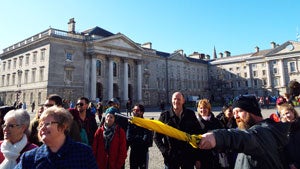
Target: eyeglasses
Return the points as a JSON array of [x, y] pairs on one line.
[[47, 124], [79, 104], [49, 105], [10, 126]]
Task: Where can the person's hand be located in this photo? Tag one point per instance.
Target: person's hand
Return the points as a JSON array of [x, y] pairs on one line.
[[198, 164], [208, 141]]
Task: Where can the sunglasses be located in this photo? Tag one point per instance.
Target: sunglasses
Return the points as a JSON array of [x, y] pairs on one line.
[[79, 104]]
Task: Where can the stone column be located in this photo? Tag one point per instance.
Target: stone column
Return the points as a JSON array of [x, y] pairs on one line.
[[139, 81], [249, 72], [110, 78], [93, 78], [268, 75], [125, 87], [282, 74]]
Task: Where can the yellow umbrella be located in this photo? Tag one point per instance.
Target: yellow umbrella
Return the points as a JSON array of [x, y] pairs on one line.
[[165, 129]]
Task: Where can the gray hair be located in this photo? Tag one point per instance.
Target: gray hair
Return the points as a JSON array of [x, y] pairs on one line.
[[20, 115]]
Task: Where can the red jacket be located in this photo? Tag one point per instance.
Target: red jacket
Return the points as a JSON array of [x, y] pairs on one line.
[[28, 147], [117, 153]]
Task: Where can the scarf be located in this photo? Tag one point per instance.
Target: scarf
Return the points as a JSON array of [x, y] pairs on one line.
[[108, 135], [11, 152]]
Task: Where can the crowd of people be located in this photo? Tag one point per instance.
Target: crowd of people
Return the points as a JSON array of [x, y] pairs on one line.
[[62, 136]]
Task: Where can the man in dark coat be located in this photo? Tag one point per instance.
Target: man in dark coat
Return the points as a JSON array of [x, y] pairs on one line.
[[139, 139], [178, 154], [259, 142]]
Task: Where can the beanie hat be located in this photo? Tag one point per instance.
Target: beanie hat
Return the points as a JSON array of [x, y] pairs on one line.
[[113, 100], [111, 110], [247, 103]]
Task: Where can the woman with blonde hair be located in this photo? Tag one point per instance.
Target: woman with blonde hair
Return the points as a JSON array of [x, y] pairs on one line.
[[208, 158]]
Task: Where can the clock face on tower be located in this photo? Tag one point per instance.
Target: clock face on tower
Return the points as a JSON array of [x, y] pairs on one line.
[[290, 47]]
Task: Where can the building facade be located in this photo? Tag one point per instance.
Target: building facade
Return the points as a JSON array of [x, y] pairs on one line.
[[96, 64], [262, 73], [100, 65]]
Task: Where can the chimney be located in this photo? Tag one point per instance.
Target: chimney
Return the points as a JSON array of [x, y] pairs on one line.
[[71, 26], [221, 55], [273, 45], [147, 45], [208, 57], [227, 53], [202, 56], [256, 49]]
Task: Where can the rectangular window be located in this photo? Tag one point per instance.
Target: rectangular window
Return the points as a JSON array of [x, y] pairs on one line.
[[264, 81], [33, 75], [34, 57], [69, 56], [255, 82], [8, 65], [7, 79], [254, 74], [274, 62], [275, 70], [14, 79], [26, 77], [69, 76], [245, 74], [276, 82], [292, 67], [27, 60], [3, 77], [246, 83], [41, 74], [20, 61], [263, 72], [3, 68], [15, 63], [42, 54]]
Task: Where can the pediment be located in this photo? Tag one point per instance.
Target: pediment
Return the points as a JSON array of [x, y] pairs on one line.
[[287, 47], [119, 42]]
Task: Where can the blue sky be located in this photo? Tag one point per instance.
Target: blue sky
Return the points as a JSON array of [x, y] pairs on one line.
[[192, 25]]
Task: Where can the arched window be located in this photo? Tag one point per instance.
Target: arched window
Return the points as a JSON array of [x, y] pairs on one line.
[[115, 69], [98, 68], [129, 71]]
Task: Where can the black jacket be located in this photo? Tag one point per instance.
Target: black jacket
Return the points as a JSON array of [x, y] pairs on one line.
[[173, 150], [259, 147]]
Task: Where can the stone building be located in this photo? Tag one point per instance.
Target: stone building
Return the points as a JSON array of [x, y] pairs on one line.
[[262, 72], [99, 65]]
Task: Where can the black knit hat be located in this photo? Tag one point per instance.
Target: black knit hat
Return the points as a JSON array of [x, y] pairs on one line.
[[247, 103]]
